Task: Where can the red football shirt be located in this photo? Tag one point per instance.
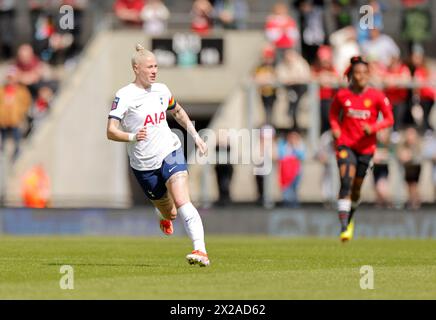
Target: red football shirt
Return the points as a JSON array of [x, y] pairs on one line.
[[350, 111], [397, 95], [282, 31], [427, 93]]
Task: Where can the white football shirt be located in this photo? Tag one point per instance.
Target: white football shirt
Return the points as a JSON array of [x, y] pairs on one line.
[[136, 108]]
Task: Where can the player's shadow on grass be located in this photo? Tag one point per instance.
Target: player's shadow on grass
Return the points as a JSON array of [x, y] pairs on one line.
[[101, 265]]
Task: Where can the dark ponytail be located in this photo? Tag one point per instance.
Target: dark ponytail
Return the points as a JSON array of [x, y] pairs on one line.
[[353, 62]]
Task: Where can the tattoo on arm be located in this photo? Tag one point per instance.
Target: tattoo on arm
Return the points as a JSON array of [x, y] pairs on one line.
[[182, 118]]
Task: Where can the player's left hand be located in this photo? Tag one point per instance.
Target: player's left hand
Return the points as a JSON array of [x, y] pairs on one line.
[[201, 145], [367, 129]]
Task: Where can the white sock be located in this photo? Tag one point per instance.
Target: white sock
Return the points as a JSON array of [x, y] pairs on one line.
[[344, 205], [193, 225]]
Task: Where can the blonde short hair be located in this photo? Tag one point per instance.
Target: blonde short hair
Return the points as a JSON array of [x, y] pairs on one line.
[[141, 53]]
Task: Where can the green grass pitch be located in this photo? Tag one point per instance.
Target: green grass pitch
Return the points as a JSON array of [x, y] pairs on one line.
[[242, 268]]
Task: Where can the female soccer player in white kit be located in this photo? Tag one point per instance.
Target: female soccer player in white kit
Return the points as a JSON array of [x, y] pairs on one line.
[[155, 153]]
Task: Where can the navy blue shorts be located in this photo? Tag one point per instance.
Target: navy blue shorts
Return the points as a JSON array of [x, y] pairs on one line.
[[153, 182]]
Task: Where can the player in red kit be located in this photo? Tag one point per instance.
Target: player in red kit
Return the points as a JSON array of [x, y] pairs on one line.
[[354, 120]]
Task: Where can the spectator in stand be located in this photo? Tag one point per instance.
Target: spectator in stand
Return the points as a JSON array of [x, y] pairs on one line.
[[50, 42], [32, 72], [60, 44], [426, 94], [223, 168], [15, 101], [30, 68], [326, 156], [378, 7], [129, 11], [231, 14], [381, 168], [395, 78], [294, 73], [291, 154], [43, 27], [281, 30], [313, 27], [376, 73], [155, 16], [410, 156], [416, 22], [264, 150], [7, 28], [325, 73], [430, 154], [39, 109], [342, 12], [201, 13], [265, 77], [380, 47], [80, 7], [345, 46]]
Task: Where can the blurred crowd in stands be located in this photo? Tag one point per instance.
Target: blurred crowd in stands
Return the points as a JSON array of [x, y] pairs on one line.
[[304, 51], [32, 67], [153, 15]]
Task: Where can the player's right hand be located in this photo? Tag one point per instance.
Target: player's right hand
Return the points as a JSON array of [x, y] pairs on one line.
[[141, 134]]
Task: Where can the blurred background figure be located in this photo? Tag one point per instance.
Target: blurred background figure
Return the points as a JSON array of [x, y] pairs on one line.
[[60, 45], [326, 157], [313, 26], [265, 149], [36, 188], [223, 169], [32, 72], [430, 155], [231, 14], [424, 93], [291, 152], [395, 78], [43, 26], [202, 14], [325, 73], [410, 156], [380, 47], [7, 28], [15, 101], [80, 8], [343, 13], [50, 41], [416, 22], [281, 30], [294, 73], [40, 108], [155, 17], [29, 67], [378, 7], [380, 170], [129, 11], [265, 77], [345, 46]]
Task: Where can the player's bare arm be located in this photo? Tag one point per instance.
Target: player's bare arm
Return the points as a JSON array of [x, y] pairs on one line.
[[114, 133], [182, 118]]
